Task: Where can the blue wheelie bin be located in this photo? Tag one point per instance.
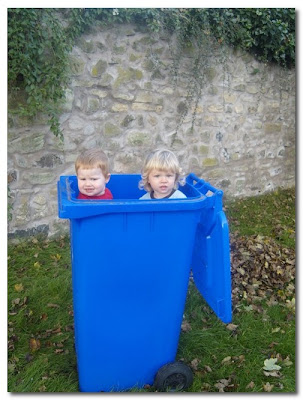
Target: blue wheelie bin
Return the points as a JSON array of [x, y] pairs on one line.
[[131, 263]]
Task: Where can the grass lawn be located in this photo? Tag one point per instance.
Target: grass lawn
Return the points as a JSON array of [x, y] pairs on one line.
[[223, 357]]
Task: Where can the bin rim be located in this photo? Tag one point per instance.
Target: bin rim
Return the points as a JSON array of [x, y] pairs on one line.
[[70, 208]]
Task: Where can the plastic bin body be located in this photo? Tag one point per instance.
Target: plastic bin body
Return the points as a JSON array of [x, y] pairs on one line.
[[131, 261]]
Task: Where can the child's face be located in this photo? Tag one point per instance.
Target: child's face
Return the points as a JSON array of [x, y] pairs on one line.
[[162, 182], [92, 181]]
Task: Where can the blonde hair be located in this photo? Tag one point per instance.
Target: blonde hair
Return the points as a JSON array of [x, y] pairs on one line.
[[163, 160], [93, 158]]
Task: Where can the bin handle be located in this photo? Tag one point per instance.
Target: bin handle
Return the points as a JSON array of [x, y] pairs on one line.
[[201, 185]]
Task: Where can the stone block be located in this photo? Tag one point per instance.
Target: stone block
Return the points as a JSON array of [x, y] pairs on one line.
[[119, 50], [144, 97], [99, 93], [252, 89], [203, 150], [99, 68], [49, 161], [127, 75], [215, 108], [127, 121], [139, 139], [106, 80], [76, 123], [272, 127], [88, 46], [209, 162], [22, 212], [40, 178], [93, 105], [27, 143], [146, 107], [40, 199], [229, 98], [11, 176], [123, 96], [216, 173], [118, 107], [76, 65], [239, 87], [111, 130]]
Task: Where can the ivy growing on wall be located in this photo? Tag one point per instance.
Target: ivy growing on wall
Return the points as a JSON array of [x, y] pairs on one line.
[[39, 42], [38, 50]]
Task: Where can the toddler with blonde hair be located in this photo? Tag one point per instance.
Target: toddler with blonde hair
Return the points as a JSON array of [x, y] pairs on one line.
[[161, 176]]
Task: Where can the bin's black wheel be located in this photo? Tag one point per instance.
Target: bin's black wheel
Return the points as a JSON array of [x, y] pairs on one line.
[[173, 377]]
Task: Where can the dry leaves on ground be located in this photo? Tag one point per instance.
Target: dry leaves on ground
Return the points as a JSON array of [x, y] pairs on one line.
[[261, 268]]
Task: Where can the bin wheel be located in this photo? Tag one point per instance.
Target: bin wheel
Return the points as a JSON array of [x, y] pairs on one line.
[[173, 377]]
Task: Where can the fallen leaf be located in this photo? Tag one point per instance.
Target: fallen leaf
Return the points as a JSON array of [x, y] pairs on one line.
[[287, 362], [28, 313], [275, 374], [231, 327], [11, 367], [69, 328], [34, 344], [44, 317], [51, 305], [270, 364], [291, 304], [248, 308], [194, 364], [56, 330], [251, 385], [185, 326], [226, 384], [19, 287], [222, 384], [268, 387], [226, 360], [205, 387]]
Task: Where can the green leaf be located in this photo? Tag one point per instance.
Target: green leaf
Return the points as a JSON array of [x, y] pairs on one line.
[[270, 364]]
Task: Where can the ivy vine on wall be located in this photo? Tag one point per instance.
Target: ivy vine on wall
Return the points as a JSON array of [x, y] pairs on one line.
[[40, 40]]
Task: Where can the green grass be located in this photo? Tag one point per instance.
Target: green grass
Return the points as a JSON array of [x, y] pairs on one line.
[[237, 356], [230, 358], [271, 215], [40, 329]]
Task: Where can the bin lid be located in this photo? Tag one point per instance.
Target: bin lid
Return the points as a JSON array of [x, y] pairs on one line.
[[211, 266]]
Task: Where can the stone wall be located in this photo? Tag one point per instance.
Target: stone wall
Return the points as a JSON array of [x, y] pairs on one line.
[[124, 97]]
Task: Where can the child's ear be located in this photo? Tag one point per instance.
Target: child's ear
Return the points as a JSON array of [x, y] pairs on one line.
[[107, 178]]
